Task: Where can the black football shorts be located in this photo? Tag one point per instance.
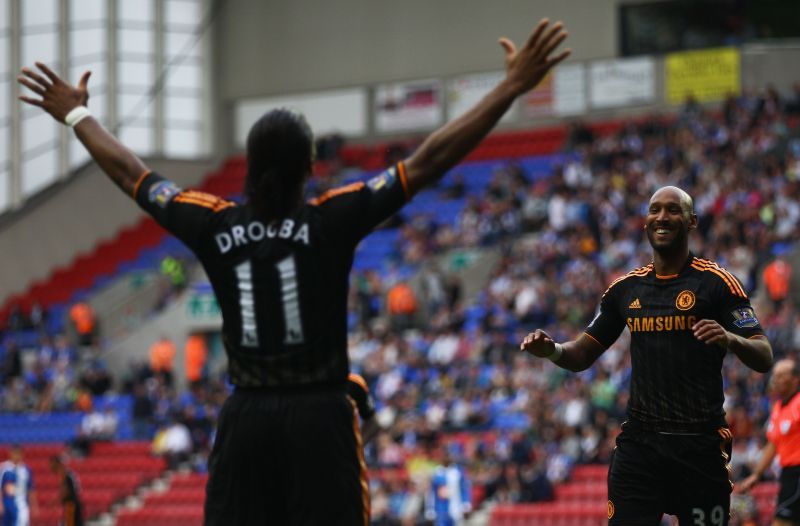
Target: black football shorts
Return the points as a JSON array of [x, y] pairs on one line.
[[788, 505], [287, 459], [687, 475]]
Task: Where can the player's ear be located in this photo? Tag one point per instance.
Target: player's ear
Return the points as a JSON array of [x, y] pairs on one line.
[[692, 221]]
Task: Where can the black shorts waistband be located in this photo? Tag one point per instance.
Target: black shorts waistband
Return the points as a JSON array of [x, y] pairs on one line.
[[688, 429], [793, 471], [291, 389]]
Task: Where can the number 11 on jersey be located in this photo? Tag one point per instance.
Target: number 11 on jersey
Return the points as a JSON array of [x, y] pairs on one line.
[[287, 271], [244, 275], [291, 301]]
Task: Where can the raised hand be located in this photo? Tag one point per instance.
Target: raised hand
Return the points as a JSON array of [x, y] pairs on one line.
[[526, 67], [538, 343], [57, 97]]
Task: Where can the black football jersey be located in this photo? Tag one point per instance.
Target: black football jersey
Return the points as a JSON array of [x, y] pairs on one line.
[[282, 287], [676, 382]]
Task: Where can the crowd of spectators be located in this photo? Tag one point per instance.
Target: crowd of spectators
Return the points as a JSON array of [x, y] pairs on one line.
[[562, 239], [52, 375], [445, 369]]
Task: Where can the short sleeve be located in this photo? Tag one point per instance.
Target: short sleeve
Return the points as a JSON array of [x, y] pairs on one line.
[[772, 431], [7, 477], [359, 392], [187, 214], [356, 209], [734, 313], [607, 325]]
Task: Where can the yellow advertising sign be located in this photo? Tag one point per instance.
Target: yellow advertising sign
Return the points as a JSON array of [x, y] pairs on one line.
[[708, 74]]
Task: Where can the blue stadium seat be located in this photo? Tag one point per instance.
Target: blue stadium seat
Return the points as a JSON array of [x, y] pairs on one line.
[[35, 428]]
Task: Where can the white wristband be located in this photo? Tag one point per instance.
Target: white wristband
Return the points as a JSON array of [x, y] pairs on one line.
[[76, 115], [556, 354]]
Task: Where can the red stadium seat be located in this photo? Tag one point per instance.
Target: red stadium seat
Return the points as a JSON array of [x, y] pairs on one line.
[[162, 516], [116, 464], [47, 516], [142, 448], [582, 491], [112, 472], [589, 473], [177, 496], [549, 514], [189, 480], [765, 489]]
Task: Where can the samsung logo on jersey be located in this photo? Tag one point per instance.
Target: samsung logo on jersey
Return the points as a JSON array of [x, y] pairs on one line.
[[240, 235], [661, 323]]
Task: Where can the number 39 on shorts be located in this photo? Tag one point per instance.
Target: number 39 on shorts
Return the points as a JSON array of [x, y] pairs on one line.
[[715, 518]]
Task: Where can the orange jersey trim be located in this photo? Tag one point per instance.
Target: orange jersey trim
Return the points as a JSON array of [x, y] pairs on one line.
[[595, 339], [731, 277], [401, 170], [214, 207], [352, 187], [732, 283], [202, 196], [670, 276], [205, 200], [69, 514], [727, 438], [139, 182], [357, 378], [725, 433], [705, 267], [199, 195], [641, 271], [362, 465]]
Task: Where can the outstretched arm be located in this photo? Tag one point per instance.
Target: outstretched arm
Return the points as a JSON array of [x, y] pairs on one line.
[[525, 68], [58, 99], [577, 355]]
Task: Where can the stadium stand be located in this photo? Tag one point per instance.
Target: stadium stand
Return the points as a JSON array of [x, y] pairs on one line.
[[111, 473], [579, 502], [143, 245], [178, 504]]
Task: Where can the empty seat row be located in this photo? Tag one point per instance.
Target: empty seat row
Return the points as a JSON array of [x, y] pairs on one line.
[[189, 480], [108, 463], [140, 448], [582, 491], [590, 472], [177, 496], [173, 515], [549, 514]]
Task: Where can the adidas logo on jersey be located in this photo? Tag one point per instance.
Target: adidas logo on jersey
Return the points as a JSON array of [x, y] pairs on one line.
[[635, 304]]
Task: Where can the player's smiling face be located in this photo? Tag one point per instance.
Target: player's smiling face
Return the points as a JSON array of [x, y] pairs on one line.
[[668, 222]]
